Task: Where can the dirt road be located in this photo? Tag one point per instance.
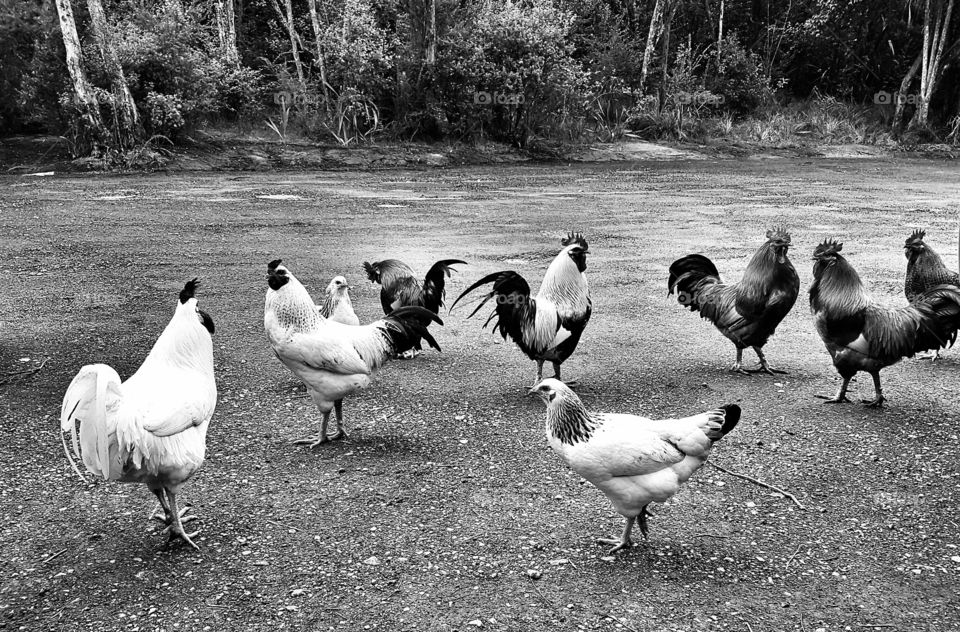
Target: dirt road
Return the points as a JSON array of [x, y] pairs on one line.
[[446, 494]]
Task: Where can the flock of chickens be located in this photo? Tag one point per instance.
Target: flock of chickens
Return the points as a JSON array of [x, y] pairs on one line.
[[152, 427]]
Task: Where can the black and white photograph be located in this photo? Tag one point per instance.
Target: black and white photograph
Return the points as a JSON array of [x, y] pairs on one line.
[[480, 315]]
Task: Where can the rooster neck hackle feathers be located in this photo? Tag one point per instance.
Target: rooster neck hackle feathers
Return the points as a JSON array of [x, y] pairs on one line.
[[186, 341], [765, 270], [837, 288], [565, 286], [292, 306], [568, 419]]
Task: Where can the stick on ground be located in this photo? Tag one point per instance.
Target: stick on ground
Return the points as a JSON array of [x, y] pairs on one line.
[[760, 483]]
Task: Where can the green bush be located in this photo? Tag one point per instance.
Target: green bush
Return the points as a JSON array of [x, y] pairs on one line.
[[508, 72]]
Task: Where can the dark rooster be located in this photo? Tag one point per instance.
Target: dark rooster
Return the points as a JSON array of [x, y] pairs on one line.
[[549, 325], [864, 336], [747, 312], [925, 270], [400, 288]]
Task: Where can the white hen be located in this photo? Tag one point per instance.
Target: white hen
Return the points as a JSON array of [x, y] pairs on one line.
[[631, 459], [332, 359], [336, 305], [152, 428]]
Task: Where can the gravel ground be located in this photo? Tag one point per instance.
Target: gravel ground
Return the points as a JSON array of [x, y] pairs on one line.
[[446, 502]]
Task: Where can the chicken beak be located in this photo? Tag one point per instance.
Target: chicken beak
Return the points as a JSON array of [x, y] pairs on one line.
[[532, 391]]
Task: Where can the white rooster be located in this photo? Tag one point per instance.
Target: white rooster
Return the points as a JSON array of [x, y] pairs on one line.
[[336, 305], [152, 428], [633, 460], [332, 359], [548, 326]]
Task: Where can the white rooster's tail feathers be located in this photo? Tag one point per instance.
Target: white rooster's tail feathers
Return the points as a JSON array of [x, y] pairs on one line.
[[90, 400]]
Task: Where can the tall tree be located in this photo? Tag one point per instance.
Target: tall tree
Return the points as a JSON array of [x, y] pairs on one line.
[[227, 30], [936, 30], [653, 36], [128, 129], [320, 60], [286, 18], [430, 33], [86, 99]]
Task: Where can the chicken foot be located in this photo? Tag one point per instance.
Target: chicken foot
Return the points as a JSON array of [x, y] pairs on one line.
[[877, 402], [738, 365], [764, 367], [933, 356], [625, 541], [176, 528], [338, 409], [556, 374], [319, 438], [322, 437], [841, 396], [165, 517]]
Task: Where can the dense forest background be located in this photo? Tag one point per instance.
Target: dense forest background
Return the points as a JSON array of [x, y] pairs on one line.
[[112, 75]]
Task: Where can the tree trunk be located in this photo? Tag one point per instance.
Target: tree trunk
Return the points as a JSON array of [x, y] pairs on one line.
[[287, 20], [720, 35], [665, 62], [897, 125], [656, 27], [227, 30], [935, 32], [430, 35], [85, 97], [320, 61], [128, 130]]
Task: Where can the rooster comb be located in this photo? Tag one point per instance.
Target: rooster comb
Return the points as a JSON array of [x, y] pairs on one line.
[[829, 247], [273, 265], [779, 232], [916, 236], [189, 290], [574, 238]]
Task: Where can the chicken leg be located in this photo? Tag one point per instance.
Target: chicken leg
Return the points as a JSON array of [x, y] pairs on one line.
[[539, 373], [319, 438], [877, 402], [738, 365], [176, 529], [841, 396], [166, 517], [338, 409], [556, 370], [763, 367], [625, 541]]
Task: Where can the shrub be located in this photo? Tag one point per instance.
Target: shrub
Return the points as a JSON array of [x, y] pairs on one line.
[[508, 72]]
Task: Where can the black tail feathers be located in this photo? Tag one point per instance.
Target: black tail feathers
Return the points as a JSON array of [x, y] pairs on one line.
[[686, 278], [406, 326], [731, 418]]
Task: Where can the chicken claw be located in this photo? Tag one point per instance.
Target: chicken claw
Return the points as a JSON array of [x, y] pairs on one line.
[[314, 441], [620, 544], [176, 527], [838, 399], [165, 518], [932, 356], [874, 403], [763, 367]]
